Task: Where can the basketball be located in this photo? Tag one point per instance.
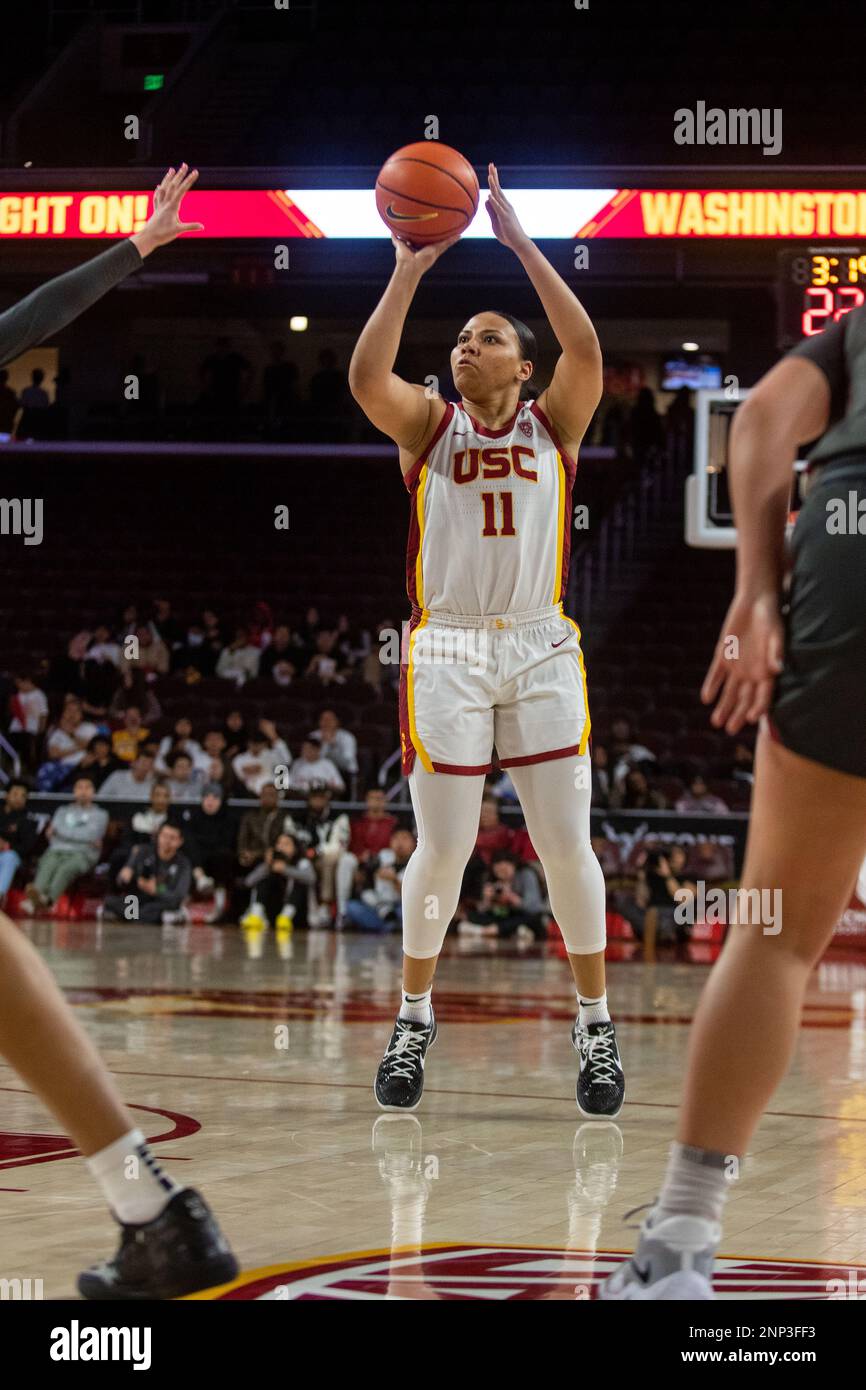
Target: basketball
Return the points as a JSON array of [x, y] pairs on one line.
[[426, 192]]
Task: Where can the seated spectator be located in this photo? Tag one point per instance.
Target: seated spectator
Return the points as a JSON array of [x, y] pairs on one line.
[[372, 831], [600, 776], [196, 656], [281, 885], [127, 740], [154, 884], [17, 834], [153, 656], [141, 827], [636, 795], [102, 649], [235, 734], [698, 800], [281, 648], [127, 622], [337, 744], [165, 625], [28, 709], [65, 744], [259, 828], [324, 663], [75, 838], [181, 741], [130, 783], [98, 762], [664, 877], [209, 836], [217, 767], [510, 903], [265, 752], [625, 753], [134, 690], [67, 673], [379, 908], [312, 767], [712, 861], [353, 642], [239, 661], [327, 833], [185, 782]]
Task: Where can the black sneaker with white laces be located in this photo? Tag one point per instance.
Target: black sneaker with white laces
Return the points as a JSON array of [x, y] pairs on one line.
[[400, 1078], [181, 1251], [600, 1081]]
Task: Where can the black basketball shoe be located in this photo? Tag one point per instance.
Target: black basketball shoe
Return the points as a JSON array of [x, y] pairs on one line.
[[600, 1081], [181, 1251], [400, 1078]]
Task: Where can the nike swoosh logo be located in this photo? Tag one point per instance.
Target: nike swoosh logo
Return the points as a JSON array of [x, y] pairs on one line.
[[409, 216], [564, 639]]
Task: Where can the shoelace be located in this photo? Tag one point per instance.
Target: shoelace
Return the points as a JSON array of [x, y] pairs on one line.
[[406, 1051], [600, 1058]]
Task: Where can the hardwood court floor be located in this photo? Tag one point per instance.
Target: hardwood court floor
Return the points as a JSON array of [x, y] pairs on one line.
[[250, 1062]]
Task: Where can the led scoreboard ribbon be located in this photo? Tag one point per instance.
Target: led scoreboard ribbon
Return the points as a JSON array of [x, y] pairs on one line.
[[817, 287]]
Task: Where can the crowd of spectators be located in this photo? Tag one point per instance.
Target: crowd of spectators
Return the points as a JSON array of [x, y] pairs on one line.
[[90, 725], [313, 867]]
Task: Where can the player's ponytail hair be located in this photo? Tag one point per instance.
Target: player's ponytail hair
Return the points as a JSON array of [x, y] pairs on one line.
[[528, 349]]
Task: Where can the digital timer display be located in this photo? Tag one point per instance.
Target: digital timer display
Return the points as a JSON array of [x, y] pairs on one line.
[[816, 288]]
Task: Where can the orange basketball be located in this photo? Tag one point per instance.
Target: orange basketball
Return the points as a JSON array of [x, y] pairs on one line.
[[426, 192]]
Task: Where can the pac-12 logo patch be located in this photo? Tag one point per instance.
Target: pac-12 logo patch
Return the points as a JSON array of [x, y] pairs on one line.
[[501, 1273], [525, 428]]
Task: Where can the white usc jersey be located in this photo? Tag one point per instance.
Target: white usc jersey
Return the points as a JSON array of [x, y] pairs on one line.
[[489, 531]]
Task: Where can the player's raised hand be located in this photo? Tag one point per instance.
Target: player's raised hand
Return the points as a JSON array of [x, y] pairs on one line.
[[164, 223], [425, 256], [503, 218]]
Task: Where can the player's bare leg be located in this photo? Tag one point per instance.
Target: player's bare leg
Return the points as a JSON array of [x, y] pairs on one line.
[[42, 1040], [805, 817]]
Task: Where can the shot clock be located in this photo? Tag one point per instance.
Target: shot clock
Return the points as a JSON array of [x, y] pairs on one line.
[[816, 286]]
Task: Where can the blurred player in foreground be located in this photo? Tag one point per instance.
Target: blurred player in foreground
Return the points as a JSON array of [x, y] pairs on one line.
[[807, 832], [170, 1243]]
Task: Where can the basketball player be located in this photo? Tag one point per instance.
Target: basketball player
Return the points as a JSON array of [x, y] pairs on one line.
[[170, 1243], [807, 833], [490, 480]]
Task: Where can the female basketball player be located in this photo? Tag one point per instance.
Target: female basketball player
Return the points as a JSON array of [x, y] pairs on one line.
[[491, 657], [170, 1243], [807, 833]]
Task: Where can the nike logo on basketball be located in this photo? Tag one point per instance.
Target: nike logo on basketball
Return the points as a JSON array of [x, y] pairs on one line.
[[562, 639], [410, 216]]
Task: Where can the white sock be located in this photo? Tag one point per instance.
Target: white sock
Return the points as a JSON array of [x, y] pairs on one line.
[[132, 1181], [417, 1007], [591, 1010], [696, 1184]]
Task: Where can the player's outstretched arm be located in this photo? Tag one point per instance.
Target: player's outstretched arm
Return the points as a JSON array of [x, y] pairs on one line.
[[61, 300], [396, 407], [575, 391]]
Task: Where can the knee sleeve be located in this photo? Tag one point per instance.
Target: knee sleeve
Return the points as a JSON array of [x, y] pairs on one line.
[[555, 797], [447, 809]]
